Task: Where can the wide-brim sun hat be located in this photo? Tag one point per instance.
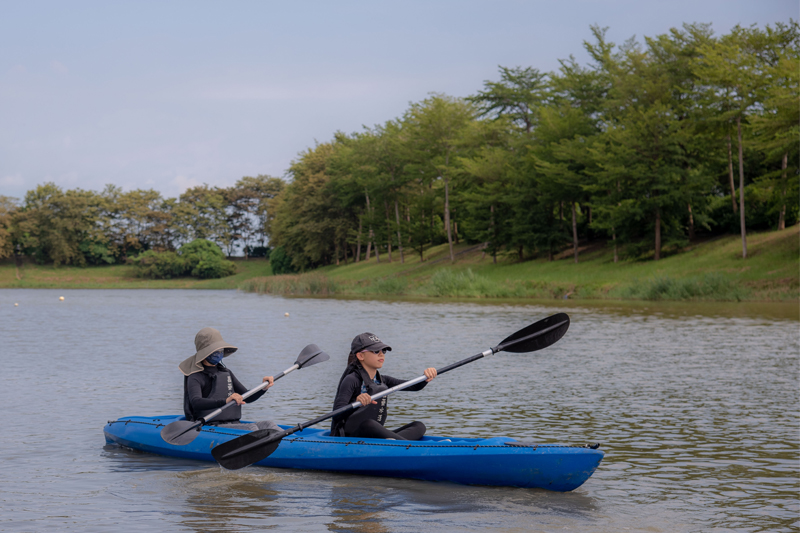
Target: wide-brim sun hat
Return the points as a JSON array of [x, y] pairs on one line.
[[206, 342]]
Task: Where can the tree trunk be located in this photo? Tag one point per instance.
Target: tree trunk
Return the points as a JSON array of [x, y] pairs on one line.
[[344, 243], [369, 247], [782, 217], [494, 236], [691, 224], [371, 233], [336, 251], [399, 238], [614, 240], [447, 218], [741, 188], [388, 230], [730, 175], [658, 233], [455, 230], [358, 242], [521, 252], [574, 233]]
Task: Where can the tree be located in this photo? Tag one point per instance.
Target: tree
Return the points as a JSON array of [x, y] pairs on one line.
[[8, 206], [437, 126], [734, 75]]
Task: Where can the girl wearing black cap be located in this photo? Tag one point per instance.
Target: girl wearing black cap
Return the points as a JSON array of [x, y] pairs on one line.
[[360, 381]]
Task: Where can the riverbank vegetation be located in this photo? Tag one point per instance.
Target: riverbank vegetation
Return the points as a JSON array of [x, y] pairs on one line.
[[710, 270], [27, 274]]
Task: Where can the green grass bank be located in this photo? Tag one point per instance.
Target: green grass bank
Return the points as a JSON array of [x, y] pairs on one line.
[[707, 271], [33, 276]]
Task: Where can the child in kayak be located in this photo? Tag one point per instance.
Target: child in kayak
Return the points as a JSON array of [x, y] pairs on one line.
[[208, 384], [360, 381]]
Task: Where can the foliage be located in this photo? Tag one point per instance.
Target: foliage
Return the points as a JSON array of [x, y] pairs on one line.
[[159, 265], [280, 262], [200, 258]]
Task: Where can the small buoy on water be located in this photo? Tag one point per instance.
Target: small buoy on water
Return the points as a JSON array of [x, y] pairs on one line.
[[61, 298], [16, 304], [285, 314]]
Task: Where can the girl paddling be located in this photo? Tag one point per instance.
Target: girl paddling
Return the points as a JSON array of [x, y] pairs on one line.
[[208, 384], [359, 382]]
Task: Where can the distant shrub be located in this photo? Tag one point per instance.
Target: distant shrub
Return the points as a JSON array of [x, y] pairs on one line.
[[199, 258], [96, 252], [280, 262], [257, 251], [213, 267], [159, 265]]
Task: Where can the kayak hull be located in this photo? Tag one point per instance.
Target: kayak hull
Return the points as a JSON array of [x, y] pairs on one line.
[[499, 461]]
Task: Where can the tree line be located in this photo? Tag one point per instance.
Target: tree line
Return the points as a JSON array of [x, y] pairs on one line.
[[80, 227], [645, 147]]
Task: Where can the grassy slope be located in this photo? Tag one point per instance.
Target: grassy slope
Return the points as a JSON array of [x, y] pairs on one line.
[[119, 277], [771, 271]]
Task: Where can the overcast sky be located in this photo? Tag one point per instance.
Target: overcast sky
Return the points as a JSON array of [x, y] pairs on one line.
[[170, 94]]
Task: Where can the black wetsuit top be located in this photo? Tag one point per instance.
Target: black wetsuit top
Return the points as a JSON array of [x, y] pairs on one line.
[[350, 388], [197, 387]]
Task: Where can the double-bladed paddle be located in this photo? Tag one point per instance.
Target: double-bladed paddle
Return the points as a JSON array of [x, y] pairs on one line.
[[253, 447], [183, 432]]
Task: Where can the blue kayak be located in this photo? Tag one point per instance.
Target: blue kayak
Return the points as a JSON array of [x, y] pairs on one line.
[[500, 461]]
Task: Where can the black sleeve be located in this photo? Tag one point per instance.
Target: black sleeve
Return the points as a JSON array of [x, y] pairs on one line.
[[348, 391], [390, 382], [241, 389], [194, 386]]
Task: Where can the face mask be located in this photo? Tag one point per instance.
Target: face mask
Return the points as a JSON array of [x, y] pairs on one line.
[[216, 357]]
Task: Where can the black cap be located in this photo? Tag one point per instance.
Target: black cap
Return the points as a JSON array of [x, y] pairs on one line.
[[368, 341]]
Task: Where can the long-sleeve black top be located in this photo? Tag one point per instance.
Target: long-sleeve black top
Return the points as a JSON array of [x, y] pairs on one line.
[[197, 386], [350, 388]]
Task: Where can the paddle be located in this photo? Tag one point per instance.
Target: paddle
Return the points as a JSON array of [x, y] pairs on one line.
[[183, 432], [253, 447]]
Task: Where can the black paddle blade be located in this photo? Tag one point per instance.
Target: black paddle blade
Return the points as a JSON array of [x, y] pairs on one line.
[[181, 432], [311, 355], [538, 335], [247, 449]]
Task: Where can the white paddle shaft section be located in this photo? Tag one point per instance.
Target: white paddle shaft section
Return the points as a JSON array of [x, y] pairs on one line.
[[396, 388], [407, 384], [250, 392]]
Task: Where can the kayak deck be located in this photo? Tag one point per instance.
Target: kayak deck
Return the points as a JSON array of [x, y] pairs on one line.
[[500, 461]]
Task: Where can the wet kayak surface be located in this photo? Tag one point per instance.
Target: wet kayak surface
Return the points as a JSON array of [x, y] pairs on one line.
[[697, 414]]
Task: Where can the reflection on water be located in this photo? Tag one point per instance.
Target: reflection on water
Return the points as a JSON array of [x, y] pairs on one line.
[[697, 413]]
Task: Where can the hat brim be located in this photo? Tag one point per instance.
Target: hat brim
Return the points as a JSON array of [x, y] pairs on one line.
[[194, 363], [376, 347]]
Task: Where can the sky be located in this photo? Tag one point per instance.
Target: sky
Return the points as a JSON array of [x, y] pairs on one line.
[[171, 94]]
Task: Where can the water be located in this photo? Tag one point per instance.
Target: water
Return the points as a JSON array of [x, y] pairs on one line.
[[697, 414]]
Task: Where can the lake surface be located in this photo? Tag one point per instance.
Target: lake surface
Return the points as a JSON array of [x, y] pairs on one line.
[[697, 414]]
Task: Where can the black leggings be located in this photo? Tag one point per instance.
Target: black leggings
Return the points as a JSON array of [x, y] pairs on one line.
[[371, 429]]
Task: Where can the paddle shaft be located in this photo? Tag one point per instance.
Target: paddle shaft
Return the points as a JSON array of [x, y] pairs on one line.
[[247, 394]]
